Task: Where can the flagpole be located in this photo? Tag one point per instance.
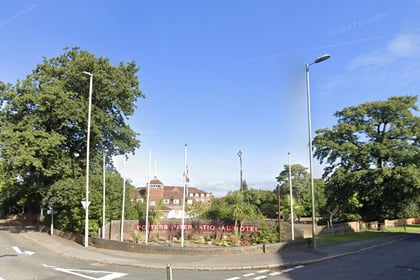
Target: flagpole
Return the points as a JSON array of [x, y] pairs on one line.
[[183, 195], [146, 238]]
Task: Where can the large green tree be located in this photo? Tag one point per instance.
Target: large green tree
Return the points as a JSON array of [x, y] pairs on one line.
[[301, 191], [300, 180], [264, 200], [44, 123], [372, 158]]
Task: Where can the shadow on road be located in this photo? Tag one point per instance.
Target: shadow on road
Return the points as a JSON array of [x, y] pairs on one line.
[[16, 226]]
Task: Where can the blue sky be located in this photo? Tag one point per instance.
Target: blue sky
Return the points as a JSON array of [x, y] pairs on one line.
[[223, 76]]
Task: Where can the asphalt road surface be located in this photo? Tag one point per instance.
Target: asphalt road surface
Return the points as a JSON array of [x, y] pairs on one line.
[[399, 260], [21, 258]]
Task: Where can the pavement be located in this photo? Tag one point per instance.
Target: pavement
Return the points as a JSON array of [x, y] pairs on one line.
[[283, 259]]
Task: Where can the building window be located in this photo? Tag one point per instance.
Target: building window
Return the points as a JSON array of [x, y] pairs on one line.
[[189, 201], [152, 202], [176, 201], [166, 201], [197, 194]]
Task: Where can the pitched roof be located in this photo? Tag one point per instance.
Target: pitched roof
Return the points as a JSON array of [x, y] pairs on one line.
[[156, 182]]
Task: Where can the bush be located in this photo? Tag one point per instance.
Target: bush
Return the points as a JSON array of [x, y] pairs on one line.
[[137, 236], [265, 235], [224, 241]]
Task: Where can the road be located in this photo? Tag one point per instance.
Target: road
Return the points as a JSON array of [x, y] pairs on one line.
[[400, 260], [21, 258]]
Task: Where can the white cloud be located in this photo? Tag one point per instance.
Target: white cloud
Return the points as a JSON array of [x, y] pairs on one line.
[[404, 45], [375, 59], [401, 46]]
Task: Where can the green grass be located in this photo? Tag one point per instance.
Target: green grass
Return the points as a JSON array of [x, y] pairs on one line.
[[408, 228], [365, 235], [356, 236]]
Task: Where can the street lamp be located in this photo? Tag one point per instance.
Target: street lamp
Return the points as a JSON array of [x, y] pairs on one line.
[[240, 162], [103, 195], [86, 205], [308, 101]]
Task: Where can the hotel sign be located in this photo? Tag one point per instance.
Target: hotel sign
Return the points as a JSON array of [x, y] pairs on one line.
[[202, 227]]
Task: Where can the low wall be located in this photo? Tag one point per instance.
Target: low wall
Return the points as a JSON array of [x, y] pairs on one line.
[[203, 251], [401, 222], [348, 227], [164, 230], [78, 238]]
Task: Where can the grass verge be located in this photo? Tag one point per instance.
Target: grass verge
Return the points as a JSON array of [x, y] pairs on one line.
[[366, 235], [407, 228], [355, 236]]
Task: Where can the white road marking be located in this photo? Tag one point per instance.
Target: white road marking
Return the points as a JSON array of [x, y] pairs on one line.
[[18, 251], [104, 275], [292, 268], [267, 271]]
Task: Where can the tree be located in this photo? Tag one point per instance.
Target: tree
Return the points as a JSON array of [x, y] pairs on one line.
[[44, 122], [300, 180], [301, 190], [218, 210], [197, 209], [264, 200], [372, 157], [239, 210]]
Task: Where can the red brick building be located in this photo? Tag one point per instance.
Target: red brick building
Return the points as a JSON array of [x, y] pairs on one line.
[[170, 197]]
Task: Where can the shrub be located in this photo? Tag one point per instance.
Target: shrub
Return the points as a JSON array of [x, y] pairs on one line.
[[265, 235], [224, 241], [137, 236]]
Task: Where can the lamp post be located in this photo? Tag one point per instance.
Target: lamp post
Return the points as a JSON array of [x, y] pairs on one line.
[[123, 202], [308, 101], [86, 205], [103, 196], [240, 174]]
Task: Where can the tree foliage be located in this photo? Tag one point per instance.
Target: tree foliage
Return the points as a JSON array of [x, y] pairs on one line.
[[265, 201], [300, 181], [44, 123], [372, 157], [301, 191]]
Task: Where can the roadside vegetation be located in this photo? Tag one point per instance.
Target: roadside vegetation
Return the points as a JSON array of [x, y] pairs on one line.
[[355, 236], [366, 235], [407, 228], [371, 156]]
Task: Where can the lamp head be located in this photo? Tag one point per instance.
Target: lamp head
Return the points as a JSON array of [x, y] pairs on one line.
[[322, 58]]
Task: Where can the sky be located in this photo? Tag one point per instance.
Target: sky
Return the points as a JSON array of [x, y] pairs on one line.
[[227, 75]]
